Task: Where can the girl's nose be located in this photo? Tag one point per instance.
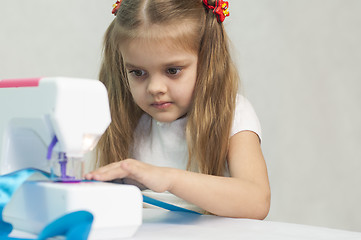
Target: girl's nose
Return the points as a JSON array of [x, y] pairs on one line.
[[157, 86]]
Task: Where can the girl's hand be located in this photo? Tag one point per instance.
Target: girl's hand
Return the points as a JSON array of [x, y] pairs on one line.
[[158, 179]]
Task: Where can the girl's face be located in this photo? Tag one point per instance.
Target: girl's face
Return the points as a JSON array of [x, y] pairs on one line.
[[161, 78]]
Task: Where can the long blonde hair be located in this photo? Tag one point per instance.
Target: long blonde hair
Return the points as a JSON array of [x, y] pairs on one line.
[[194, 28]]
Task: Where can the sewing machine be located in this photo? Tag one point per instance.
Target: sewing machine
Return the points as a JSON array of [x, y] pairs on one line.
[[50, 124]]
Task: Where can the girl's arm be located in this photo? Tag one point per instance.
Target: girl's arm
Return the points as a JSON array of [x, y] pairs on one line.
[[245, 194]]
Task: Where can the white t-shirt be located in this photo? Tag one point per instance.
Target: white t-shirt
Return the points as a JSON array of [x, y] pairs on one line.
[[164, 144]]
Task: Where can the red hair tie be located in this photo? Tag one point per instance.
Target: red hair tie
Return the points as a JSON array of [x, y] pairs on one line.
[[220, 9], [116, 6]]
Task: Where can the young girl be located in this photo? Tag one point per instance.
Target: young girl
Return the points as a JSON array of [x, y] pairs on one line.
[[179, 129]]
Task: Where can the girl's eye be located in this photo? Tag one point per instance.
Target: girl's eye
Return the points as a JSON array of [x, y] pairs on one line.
[[137, 73], [173, 71]]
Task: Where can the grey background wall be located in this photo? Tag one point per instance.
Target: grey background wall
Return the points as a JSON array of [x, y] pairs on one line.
[[300, 66]]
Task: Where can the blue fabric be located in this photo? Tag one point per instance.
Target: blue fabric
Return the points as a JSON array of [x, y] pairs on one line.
[[165, 205], [8, 185], [74, 226]]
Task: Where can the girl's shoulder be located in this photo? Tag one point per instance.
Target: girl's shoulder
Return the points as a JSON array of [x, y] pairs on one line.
[[245, 117]]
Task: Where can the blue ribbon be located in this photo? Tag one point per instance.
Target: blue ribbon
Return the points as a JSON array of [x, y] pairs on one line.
[[167, 206], [74, 226]]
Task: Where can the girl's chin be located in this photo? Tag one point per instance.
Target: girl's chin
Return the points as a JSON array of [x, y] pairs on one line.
[[165, 118]]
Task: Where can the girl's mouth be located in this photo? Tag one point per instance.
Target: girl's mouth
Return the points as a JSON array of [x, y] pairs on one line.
[[161, 105]]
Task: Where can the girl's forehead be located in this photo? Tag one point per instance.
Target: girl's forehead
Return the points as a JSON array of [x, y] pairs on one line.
[[157, 44], [182, 36], [154, 48]]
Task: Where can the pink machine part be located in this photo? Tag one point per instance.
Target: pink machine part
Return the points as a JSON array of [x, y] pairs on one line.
[[26, 82]]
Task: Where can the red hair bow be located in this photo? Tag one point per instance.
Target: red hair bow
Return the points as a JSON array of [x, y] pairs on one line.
[[220, 9], [116, 6]]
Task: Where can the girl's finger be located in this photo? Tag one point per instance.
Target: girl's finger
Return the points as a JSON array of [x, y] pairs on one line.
[[107, 173], [108, 167], [110, 174]]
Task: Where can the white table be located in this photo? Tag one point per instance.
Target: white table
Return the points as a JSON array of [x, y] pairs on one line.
[[160, 224]]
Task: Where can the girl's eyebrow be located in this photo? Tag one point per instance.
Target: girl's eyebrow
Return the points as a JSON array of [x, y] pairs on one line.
[[169, 64], [128, 65], [177, 63]]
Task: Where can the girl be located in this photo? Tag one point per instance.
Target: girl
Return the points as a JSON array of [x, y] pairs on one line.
[[178, 127]]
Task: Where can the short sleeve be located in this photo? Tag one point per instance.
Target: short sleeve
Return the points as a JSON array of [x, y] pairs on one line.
[[245, 118]]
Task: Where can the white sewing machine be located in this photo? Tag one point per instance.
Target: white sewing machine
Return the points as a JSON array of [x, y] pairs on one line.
[[49, 124]]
